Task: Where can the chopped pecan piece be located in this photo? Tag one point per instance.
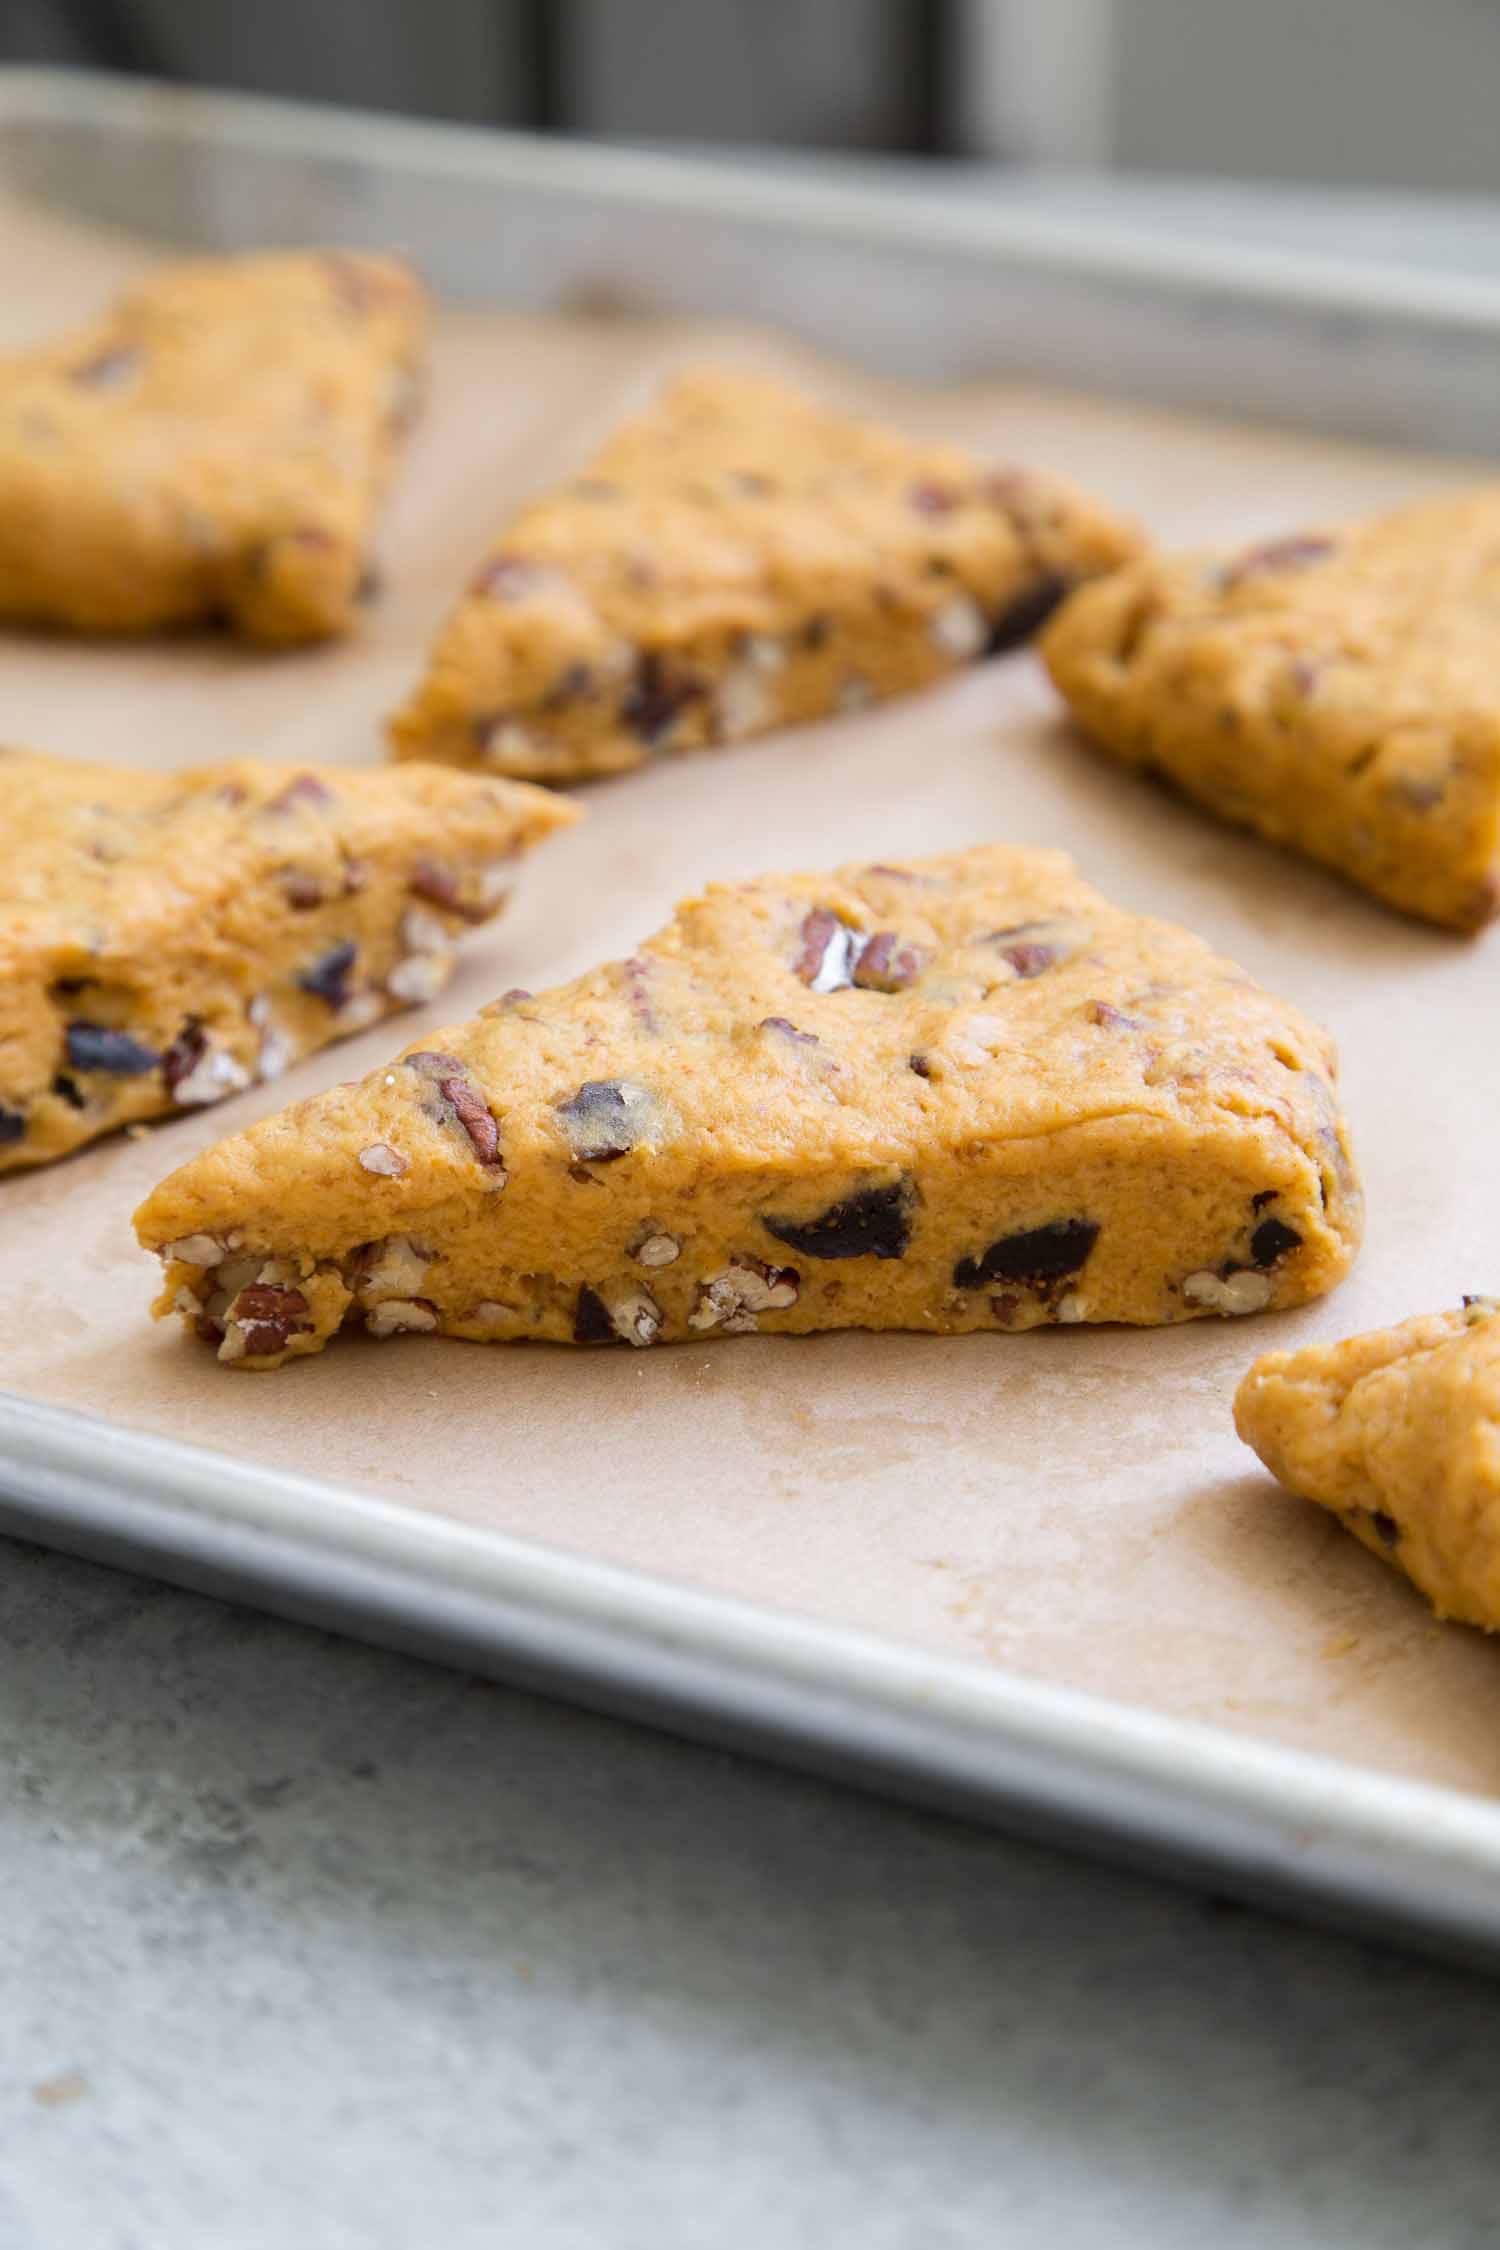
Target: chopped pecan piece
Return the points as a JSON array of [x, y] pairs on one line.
[[399, 1316], [734, 1299], [262, 1319], [299, 888], [655, 1247], [1031, 948], [1233, 1290], [303, 789], [1298, 553], [830, 951], [386, 1162], [959, 628], [886, 965], [463, 1102]]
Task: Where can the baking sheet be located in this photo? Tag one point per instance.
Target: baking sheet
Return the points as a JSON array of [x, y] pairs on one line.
[[1070, 1505]]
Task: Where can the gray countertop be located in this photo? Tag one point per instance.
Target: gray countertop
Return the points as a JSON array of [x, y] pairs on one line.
[[304, 1943]]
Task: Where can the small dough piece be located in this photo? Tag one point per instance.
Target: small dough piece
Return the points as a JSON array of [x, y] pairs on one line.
[[958, 1093], [166, 939], [212, 448], [739, 559], [1339, 692], [1398, 1434]]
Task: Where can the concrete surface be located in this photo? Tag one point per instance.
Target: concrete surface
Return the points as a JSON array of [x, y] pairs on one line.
[[307, 1945]]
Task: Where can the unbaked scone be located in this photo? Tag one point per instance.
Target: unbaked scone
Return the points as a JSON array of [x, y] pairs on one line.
[[166, 939], [737, 559], [213, 448], [959, 1093], [1398, 1434], [1337, 691]]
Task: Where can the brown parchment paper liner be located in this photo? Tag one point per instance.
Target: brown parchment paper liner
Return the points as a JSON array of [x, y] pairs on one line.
[[1070, 1503]]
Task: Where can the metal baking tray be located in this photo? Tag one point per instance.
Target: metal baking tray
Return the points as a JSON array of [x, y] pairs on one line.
[[917, 286]]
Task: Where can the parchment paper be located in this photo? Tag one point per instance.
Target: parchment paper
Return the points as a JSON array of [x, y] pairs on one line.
[[1071, 1503]]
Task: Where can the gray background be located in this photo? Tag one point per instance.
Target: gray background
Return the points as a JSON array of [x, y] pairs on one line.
[[1399, 93], [307, 1944]]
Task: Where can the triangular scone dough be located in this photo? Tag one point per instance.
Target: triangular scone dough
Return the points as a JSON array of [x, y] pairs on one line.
[[1338, 691], [962, 1093], [165, 939], [1398, 1434], [735, 560], [213, 447]]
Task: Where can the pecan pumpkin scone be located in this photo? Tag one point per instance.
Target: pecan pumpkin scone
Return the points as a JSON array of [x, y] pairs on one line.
[[1398, 1434], [1339, 692], [166, 939], [736, 559], [964, 1093], [212, 448]]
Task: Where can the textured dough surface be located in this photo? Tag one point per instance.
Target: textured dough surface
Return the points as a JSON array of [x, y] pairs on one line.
[[960, 1093], [166, 939], [736, 559], [1398, 1434], [1339, 692], [212, 448]]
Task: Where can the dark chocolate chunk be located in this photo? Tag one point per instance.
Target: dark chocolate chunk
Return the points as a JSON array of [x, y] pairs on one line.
[[1039, 1256], [12, 1126], [605, 1119], [1272, 1239], [1386, 1526], [68, 1090], [1026, 614], [184, 1055], [875, 1223], [328, 977], [591, 1321], [657, 698], [93, 1046]]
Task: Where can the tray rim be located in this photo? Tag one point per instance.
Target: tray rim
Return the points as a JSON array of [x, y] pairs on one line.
[[1285, 1826], [874, 214], [1291, 1827]]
